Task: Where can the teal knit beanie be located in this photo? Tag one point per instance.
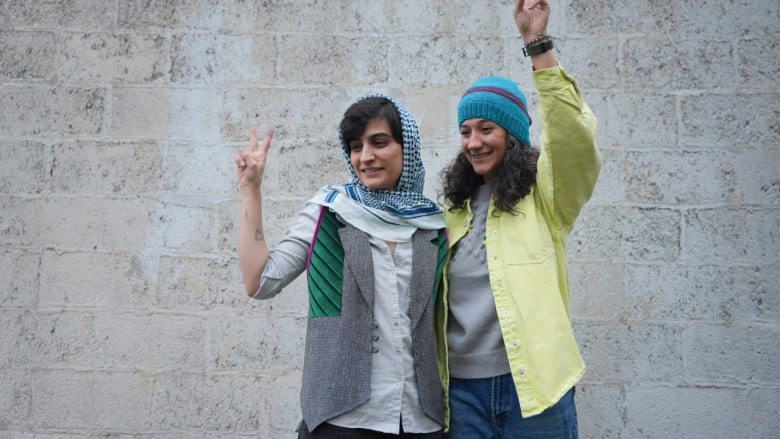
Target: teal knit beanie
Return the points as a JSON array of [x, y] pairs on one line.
[[499, 100]]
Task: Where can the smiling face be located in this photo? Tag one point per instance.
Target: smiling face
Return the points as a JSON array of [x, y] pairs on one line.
[[484, 143], [376, 157]]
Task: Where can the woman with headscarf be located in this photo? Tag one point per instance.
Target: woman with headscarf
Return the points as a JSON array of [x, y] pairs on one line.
[[374, 251]]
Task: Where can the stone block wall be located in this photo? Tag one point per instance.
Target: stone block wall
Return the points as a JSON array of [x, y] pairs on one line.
[[122, 312]]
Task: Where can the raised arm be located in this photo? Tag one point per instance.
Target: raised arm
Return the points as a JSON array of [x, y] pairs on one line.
[[252, 248]]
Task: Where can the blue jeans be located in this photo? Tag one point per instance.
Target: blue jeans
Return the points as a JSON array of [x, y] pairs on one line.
[[488, 408]]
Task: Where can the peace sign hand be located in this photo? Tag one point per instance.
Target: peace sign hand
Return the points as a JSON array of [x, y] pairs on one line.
[[250, 163]]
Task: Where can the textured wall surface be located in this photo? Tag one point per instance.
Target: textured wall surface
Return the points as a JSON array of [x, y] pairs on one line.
[[122, 312]]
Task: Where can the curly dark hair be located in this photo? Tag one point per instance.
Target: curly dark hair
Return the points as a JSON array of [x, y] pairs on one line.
[[511, 182]]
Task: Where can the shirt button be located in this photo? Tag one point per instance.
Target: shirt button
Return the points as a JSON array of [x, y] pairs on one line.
[[394, 298], [396, 324]]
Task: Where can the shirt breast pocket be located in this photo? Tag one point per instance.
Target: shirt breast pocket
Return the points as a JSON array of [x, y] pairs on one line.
[[529, 242]]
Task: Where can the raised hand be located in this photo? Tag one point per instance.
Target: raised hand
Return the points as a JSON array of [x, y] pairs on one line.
[[250, 163], [531, 18]]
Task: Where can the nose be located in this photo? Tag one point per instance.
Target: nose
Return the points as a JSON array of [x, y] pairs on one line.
[[366, 154], [473, 141]]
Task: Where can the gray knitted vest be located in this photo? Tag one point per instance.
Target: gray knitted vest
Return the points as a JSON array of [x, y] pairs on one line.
[[338, 354]]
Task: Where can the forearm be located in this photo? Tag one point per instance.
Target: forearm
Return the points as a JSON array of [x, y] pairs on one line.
[[252, 247], [570, 161]]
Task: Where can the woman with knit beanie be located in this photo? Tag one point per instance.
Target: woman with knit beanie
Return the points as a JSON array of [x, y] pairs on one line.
[[511, 353], [374, 251]]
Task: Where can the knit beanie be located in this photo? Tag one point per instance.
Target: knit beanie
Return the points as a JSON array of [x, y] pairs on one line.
[[497, 99]]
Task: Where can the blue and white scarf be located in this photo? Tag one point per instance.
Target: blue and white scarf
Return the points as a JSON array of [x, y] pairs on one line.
[[390, 215]]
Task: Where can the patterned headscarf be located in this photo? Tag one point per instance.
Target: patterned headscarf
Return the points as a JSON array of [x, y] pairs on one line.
[[404, 207], [407, 200]]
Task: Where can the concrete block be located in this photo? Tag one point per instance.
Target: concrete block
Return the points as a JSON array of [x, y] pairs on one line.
[[221, 59], [197, 283], [481, 17], [90, 14], [764, 413], [428, 60], [645, 234], [618, 17], [600, 410], [651, 234], [162, 113], [678, 177], [188, 228], [631, 352], [742, 119], [313, 114], [723, 236], [367, 67], [178, 14], [689, 412], [396, 17], [337, 60], [199, 169], [742, 19], [45, 111], [685, 64], [84, 340], [15, 395], [631, 120], [680, 292], [101, 400], [51, 222], [211, 402], [114, 57], [119, 341], [85, 279], [252, 341], [132, 224], [294, 16], [595, 234], [597, 291], [24, 167], [19, 274], [763, 302], [174, 342], [27, 55], [119, 168], [757, 180], [757, 65], [732, 353]]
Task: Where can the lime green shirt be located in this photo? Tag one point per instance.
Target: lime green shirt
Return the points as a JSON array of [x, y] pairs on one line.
[[527, 251]]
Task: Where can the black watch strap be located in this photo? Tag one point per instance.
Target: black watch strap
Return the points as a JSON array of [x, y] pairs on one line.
[[538, 48]]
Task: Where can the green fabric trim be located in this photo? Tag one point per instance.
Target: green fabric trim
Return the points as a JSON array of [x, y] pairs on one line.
[[441, 242], [326, 269]]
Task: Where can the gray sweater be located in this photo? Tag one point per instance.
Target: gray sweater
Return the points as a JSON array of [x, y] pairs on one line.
[[476, 347]]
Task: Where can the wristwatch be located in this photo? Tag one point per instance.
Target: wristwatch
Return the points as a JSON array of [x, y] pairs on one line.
[[538, 48]]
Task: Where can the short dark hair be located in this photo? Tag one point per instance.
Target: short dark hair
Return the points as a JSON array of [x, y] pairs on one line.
[[357, 116]]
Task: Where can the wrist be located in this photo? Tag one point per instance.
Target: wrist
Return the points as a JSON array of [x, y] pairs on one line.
[[535, 38], [251, 191]]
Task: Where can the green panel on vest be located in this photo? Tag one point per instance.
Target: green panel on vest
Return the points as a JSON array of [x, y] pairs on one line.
[[326, 269]]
